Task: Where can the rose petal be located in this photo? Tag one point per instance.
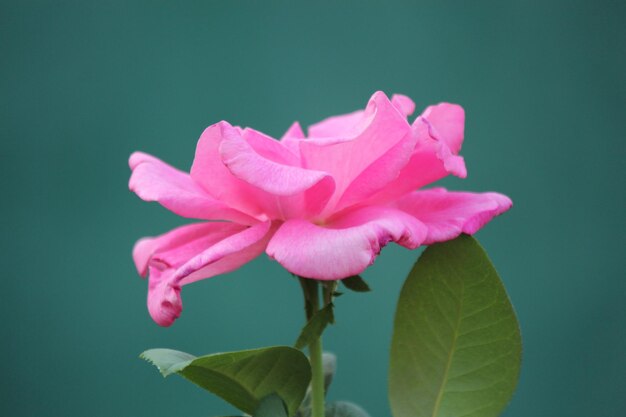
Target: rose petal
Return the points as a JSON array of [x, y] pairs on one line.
[[226, 255], [164, 302], [447, 214], [378, 174], [178, 245], [380, 127], [294, 132], [269, 166], [266, 146], [209, 171], [292, 137], [154, 180], [448, 124], [346, 245], [162, 254], [403, 103], [434, 156], [192, 253], [343, 126]]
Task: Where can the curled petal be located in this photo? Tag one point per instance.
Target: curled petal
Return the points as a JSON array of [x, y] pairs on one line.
[[346, 245], [226, 255], [154, 180], [178, 245], [190, 253], [447, 214], [164, 301]]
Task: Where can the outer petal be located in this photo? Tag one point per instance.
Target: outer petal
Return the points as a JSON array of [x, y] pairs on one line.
[[154, 180], [191, 253], [164, 302], [345, 246], [180, 244], [447, 214], [226, 255], [380, 128]]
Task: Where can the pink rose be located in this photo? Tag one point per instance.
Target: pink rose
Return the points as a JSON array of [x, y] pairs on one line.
[[323, 206]]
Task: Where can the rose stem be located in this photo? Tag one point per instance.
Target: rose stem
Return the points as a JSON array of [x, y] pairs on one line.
[[311, 299]]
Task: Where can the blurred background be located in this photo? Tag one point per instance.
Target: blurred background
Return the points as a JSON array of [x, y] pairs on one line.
[[85, 83]]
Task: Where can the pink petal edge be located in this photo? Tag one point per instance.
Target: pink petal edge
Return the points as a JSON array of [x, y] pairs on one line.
[[447, 214], [345, 246]]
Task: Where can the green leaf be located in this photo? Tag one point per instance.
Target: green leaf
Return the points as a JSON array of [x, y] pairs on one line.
[[345, 409], [242, 378], [167, 361], [315, 327], [356, 283], [271, 406], [456, 344]]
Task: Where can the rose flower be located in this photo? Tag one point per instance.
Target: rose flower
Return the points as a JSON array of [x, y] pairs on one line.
[[323, 205]]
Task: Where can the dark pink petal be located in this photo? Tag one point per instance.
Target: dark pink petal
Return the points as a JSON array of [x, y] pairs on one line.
[[447, 214], [346, 245], [378, 130], [154, 180]]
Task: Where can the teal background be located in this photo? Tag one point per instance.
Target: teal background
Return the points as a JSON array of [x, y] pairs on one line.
[[85, 83]]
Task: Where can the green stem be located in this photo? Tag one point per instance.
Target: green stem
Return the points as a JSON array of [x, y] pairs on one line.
[[311, 296]]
